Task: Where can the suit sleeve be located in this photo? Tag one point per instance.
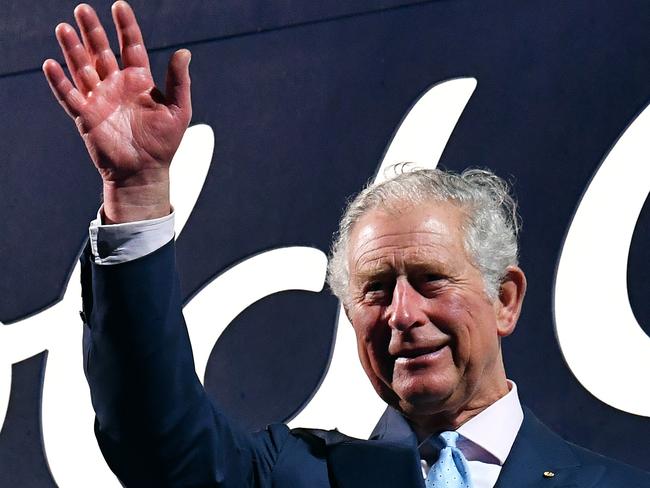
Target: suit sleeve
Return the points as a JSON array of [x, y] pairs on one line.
[[154, 422]]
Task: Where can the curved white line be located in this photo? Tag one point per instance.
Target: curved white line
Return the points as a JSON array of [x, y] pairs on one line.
[[599, 336], [423, 133], [188, 171], [215, 306], [69, 443]]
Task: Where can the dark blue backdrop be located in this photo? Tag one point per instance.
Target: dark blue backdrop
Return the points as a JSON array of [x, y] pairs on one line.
[[303, 98]]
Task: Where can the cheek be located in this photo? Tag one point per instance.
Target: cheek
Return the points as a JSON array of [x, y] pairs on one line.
[[365, 322], [372, 344], [451, 313], [377, 348], [458, 318]]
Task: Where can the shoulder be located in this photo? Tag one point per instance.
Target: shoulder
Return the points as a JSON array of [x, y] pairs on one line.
[[607, 471], [615, 472], [285, 442], [295, 457]]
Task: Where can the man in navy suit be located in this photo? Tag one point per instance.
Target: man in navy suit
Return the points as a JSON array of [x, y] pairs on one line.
[[425, 265]]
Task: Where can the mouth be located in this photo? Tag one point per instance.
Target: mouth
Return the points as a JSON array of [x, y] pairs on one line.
[[419, 355]]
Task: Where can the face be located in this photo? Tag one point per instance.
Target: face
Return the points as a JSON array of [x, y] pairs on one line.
[[428, 335]]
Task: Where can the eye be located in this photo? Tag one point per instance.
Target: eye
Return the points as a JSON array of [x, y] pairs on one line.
[[375, 286], [378, 290], [433, 277], [431, 282]]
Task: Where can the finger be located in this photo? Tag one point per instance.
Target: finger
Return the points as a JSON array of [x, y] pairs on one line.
[[77, 59], [132, 49], [64, 91], [95, 40], [178, 81]]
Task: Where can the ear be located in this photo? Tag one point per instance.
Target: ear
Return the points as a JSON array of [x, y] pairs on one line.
[[511, 297]]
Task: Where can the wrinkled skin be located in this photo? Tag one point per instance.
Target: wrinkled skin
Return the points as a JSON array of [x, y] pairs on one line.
[[428, 335]]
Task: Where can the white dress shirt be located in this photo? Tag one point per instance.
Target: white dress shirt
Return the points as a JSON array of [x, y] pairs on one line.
[[119, 243], [485, 440]]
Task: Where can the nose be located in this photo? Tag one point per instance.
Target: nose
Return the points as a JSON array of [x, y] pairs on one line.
[[406, 309]]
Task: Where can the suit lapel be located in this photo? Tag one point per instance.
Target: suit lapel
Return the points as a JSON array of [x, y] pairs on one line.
[[538, 450]]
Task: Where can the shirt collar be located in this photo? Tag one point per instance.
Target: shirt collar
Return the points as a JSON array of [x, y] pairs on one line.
[[494, 429], [487, 437]]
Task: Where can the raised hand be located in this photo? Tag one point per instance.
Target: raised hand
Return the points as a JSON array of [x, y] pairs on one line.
[[131, 129]]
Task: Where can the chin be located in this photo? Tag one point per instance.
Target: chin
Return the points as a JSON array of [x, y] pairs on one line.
[[423, 401]]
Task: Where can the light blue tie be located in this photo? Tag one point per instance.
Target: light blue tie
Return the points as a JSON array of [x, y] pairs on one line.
[[451, 469]]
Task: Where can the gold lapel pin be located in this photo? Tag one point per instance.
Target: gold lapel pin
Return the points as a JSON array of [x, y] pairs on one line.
[[548, 474]]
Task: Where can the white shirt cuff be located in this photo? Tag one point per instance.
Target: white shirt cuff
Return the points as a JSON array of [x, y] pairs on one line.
[[120, 243]]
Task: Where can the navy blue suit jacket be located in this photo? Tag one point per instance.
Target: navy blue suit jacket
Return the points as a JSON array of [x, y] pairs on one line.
[[156, 426]]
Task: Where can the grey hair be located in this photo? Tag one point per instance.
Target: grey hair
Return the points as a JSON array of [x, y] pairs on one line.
[[491, 228]]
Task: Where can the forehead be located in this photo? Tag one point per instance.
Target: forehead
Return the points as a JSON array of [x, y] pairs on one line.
[[426, 234]]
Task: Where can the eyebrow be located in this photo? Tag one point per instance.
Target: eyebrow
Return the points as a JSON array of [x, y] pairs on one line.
[[385, 269], [365, 276]]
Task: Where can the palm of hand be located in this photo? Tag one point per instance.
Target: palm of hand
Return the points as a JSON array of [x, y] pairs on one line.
[[128, 126]]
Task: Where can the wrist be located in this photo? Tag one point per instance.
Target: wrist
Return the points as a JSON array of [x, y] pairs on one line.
[[136, 200]]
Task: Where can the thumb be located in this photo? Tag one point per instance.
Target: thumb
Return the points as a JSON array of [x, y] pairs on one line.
[[178, 81]]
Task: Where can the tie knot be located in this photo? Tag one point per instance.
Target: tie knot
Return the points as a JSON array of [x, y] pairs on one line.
[[446, 439], [451, 469]]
